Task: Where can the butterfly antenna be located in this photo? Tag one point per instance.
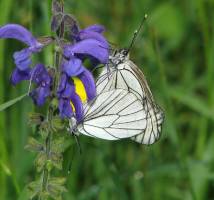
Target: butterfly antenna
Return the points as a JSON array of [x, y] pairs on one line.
[[136, 33]]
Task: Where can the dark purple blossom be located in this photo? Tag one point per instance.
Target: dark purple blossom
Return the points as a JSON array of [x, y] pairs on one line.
[[89, 43], [22, 58], [43, 81]]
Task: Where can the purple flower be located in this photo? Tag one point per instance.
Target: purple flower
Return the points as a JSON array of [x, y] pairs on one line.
[[92, 44], [89, 83], [95, 28], [22, 58], [67, 95], [43, 81], [89, 43], [15, 31], [19, 75], [88, 47], [93, 32], [72, 67]]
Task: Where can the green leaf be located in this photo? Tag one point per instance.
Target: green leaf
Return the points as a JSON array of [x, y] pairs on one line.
[[34, 188], [11, 102], [35, 118], [57, 180], [33, 145], [60, 144], [5, 168], [56, 187], [25, 194], [40, 161], [57, 124], [56, 159]]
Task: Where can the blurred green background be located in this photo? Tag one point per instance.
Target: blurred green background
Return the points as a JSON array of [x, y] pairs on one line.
[[176, 52]]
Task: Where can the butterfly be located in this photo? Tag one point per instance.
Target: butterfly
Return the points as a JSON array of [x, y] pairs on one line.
[[112, 115], [122, 73], [124, 106]]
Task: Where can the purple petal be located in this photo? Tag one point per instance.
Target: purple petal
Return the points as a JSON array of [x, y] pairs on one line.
[[89, 84], [73, 67], [39, 95], [65, 109], [75, 99], [62, 83], [43, 93], [40, 75], [95, 28], [93, 35], [22, 59], [18, 32], [90, 47], [68, 91], [19, 75]]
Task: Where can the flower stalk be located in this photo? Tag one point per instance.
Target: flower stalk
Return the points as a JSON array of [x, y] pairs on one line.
[[50, 114]]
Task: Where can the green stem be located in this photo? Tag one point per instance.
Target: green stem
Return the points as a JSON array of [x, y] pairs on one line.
[[46, 171], [50, 113]]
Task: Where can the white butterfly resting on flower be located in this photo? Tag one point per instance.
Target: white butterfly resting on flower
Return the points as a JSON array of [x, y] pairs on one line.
[[124, 106]]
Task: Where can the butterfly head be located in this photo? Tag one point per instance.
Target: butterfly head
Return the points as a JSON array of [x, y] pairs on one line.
[[119, 56]]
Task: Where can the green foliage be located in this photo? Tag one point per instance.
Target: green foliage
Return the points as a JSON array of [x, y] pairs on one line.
[[55, 188], [33, 145], [11, 102], [175, 51]]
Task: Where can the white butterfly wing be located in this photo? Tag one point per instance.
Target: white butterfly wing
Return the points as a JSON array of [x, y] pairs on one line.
[[114, 115], [122, 78], [155, 115], [152, 132], [129, 77]]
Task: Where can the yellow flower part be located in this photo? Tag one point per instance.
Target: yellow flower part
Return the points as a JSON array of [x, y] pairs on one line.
[[80, 90]]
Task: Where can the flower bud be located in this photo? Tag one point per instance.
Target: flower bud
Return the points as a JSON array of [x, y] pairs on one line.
[[35, 118]]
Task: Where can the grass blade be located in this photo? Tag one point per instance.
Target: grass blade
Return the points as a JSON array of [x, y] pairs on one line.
[[12, 102]]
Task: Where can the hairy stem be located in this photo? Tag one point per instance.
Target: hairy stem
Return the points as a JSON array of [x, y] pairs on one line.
[[50, 112], [46, 171]]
